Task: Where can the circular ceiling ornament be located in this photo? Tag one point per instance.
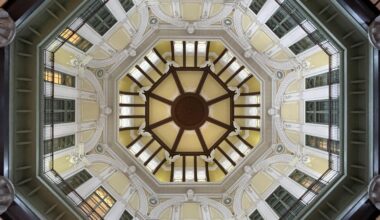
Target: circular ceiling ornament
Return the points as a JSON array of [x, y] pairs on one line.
[[227, 22], [374, 191], [153, 201], [7, 194], [191, 110], [227, 200]]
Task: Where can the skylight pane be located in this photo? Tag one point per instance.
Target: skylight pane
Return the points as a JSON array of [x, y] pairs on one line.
[[136, 74], [253, 111], [254, 100], [226, 57], [242, 147], [125, 122], [190, 47], [253, 123], [136, 147], [226, 164], [152, 164], [144, 156], [201, 174], [234, 156], [189, 174], [234, 66], [152, 56], [145, 66], [177, 174], [125, 110], [308, 26], [202, 47], [178, 47], [125, 99]]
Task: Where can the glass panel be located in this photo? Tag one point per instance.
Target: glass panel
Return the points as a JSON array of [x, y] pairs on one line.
[[256, 5]]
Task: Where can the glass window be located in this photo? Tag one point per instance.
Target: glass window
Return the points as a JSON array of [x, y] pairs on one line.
[[74, 181], [102, 20], [127, 4], [75, 40], [322, 79], [306, 181], [256, 216], [101, 201], [126, 216], [256, 5], [321, 143], [59, 143], [307, 43], [59, 78], [63, 111], [281, 22], [318, 112], [281, 201]]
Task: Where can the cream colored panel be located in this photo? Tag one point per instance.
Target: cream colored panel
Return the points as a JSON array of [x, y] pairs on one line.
[[134, 201], [293, 136], [246, 22], [190, 79], [120, 39], [167, 88], [215, 9], [189, 142], [191, 11], [85, 85], [167, 8], [158, 111], [281, 55], [212, 89], [211, 133], [283, 168], [97, 168], [191, 211], [290, 112], [84, 136], [221, 111], [254, 137], [253, 84], [166, 214], [62, 164], [247, 202], [318, 59], [261, 182], [167, 133], [98, 53], [295, 86], [215, 214], [134, 17], [119, 182], [318, 164], [261, 41], [89, 111], [63, 57]]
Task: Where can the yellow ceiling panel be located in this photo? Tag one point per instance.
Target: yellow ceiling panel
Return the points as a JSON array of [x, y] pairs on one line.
[[261, 182], [215, 9], [189, 142], [191, 11], [98, 53], [119, 182], [282, 55], [261, 41], [290, 112], [211, 133], [158, 111], [167, 88], [212, 89], [191, 211], [221, 111], [120, 39], [318, 59], [190, 79], [167, 133], [134, 17]]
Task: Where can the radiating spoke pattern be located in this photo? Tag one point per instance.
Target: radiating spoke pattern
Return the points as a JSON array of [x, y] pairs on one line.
[[190, 110]]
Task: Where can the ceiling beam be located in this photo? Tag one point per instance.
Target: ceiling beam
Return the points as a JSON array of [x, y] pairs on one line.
[[226, 66], [201, 82], [202, 141], [245, 80], [196, 53], [153, 66], [128, 93], [160, 98], [249, 93], [246, 105], [183, 168], [132, 116], [245, 142], [250, 128], [220, 56], [159, 55], [134, 80], [128, 128], [195, 169], [247, 116], [159, 123], [159, 166], [176, 141], [207, 50], [207, 172], [177, 81], [219, 123], [184, 53], [234, 75], [218, 99], [131, 105], [234, 147], [153, 155], [226, 155], [144, 73], [220, 167], [172, 50], [172, 172], [134, 141], [144, 148]]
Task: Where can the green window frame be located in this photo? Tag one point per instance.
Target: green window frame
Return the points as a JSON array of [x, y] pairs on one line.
[[59, 78], [321, 144], [59, 143], [318, 112], [102, 20], [127, 4], [307, 42], [75, 39], [281, 201], [101, 201], [256, 216], [63, 111], [282, 22], [306, 181], [256, 5], [126, 216], [322, 79], [75, 181]]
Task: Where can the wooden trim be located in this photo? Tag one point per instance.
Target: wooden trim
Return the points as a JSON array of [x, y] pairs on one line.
[[159, 55], [226, 66], [144, 148], [177, 140], [172, 172], [177, 82], [159, 123], [207, 172], [195, 169], [159, 166], [244, 81], [132, 116], [196, 53], [226, 155], [131, 105], [201, 82], [235, 74], [245, 142], [128, 93], [218, 99], [134, 80], [220, 167], [153, 66], [201, 140], [219, 123], [128, 128], [153, 155], [160, 98], [247, 116], [250, 128], [220, 56], [134, 141], [234, 147], [184, 53], [207, 50], [183, 168], [246, 105], [172, 50], [249, 93], [144, 73]]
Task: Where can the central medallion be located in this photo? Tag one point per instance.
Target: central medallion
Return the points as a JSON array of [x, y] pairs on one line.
[[189, 111]]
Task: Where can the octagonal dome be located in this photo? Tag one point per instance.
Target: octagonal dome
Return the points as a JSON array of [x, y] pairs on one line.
[[189, 111]]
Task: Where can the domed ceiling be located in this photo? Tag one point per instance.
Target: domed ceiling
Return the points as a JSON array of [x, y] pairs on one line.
[[189, 110]]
